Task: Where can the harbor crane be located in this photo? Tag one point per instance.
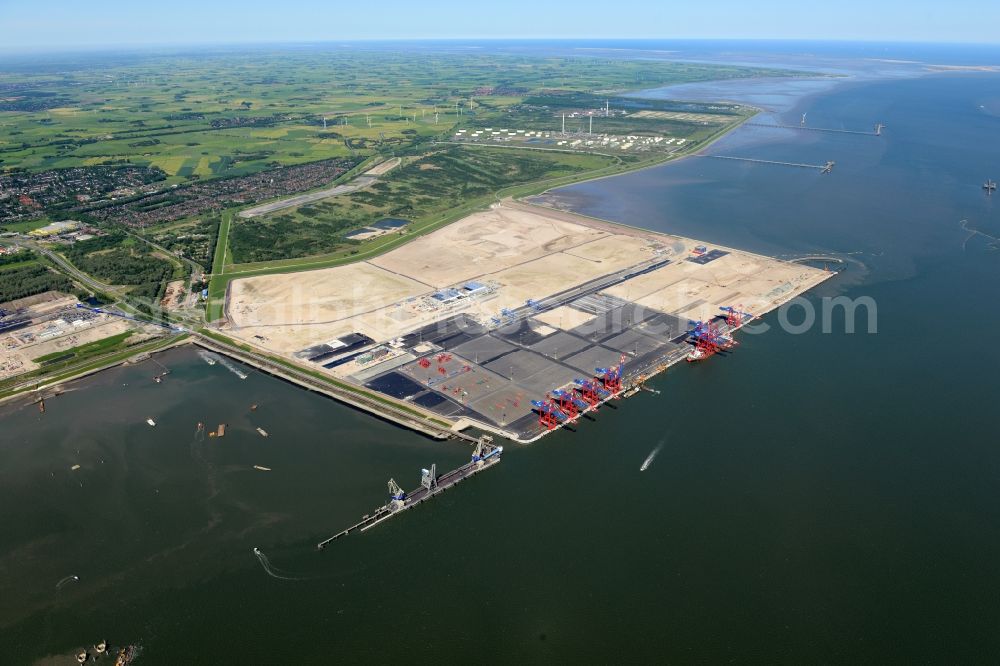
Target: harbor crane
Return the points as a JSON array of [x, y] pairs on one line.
[[549, 414], [708, 340], [612, 377], [429, 478], [485, 449], [569, 401], [396, 494], [735, 318], [591, 391]]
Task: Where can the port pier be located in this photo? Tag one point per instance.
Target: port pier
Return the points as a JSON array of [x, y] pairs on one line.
[[824, 168], [485, 455], [876, 132]]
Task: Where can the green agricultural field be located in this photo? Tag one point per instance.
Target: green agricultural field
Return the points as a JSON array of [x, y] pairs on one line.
[[183, 118], [222, 114], [25, 227], [421, 189]]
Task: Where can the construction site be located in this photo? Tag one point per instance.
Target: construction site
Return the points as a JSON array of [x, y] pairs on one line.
[[46, 328], [515, 320]]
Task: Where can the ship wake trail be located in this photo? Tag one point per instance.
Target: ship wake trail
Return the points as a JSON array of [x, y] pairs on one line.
[[652, 456], [232, 368], [65, 580], [208, 357], [272, 571]]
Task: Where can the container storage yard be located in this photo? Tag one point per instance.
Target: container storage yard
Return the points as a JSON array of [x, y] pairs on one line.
[[518, 319]]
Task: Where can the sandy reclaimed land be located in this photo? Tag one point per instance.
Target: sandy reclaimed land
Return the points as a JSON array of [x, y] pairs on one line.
[[525, 253], [611, 253], [485, 242], [542, 277], [517, 249], [565, 317], [752, 283], [326, 295]]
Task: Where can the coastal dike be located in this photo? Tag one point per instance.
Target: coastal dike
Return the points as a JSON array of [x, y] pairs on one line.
[[358, 400]]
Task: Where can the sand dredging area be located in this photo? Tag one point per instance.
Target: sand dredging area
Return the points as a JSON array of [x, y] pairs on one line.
[[474, 321]]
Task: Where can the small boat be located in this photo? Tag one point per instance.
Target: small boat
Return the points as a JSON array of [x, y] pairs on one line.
[[101, 647], [151, 422], [262, 468], [263, 433], [253, 407], [82, 657], [990, 185], [157, 379], [74, 468]]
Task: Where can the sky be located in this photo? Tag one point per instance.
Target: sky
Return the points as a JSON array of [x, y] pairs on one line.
[[56, 24]]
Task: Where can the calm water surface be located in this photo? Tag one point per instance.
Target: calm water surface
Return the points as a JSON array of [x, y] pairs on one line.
[[817, 497]]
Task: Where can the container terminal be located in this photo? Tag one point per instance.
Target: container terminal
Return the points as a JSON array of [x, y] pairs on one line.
[[514, 321]]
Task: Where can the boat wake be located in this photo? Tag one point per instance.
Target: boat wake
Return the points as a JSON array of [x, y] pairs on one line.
[[65, 580], [208, 357], [232, 368], [652, 456], [271, 570]]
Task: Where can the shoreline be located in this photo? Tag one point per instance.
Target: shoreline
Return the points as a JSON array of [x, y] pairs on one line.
[[378, 403], [362, 399], [56, 383], [399, 412], [389, 409]]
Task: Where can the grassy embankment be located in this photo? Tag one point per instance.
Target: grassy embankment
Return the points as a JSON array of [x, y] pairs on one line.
[[326, 379], [83, 351], [19, 384]]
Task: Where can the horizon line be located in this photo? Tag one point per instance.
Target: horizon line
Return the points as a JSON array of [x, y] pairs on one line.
[[148, 46]]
